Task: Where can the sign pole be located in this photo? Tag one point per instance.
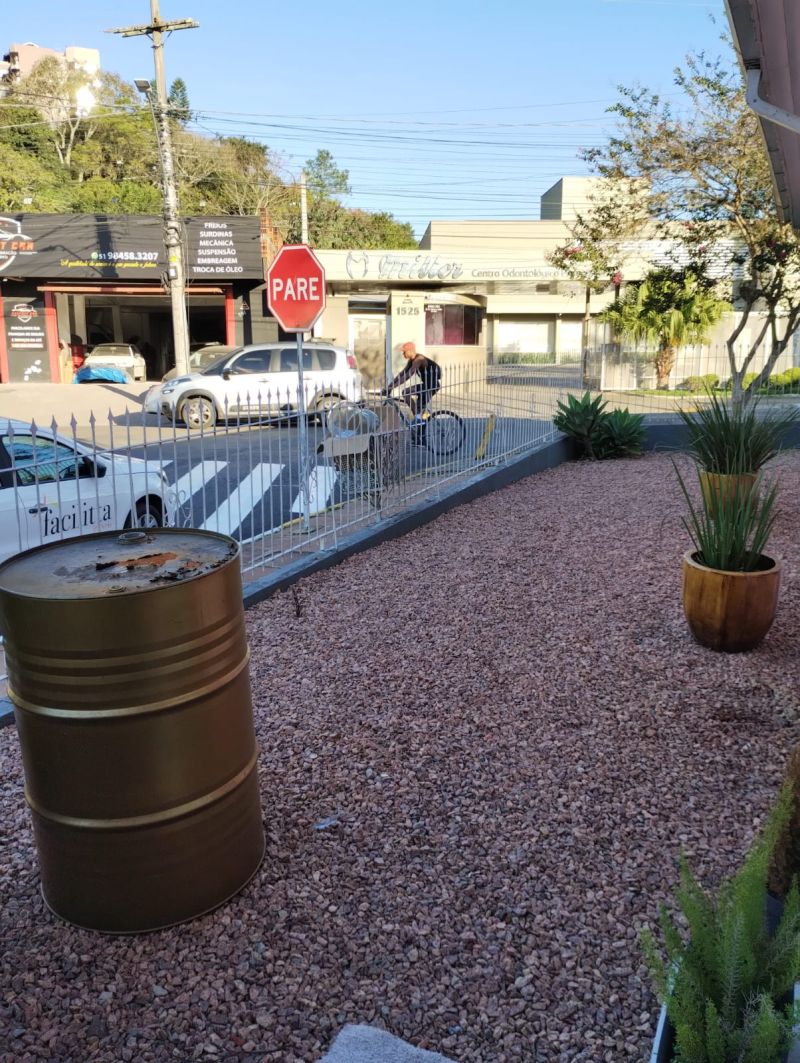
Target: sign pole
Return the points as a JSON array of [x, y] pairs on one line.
[[296, 298], [305, 464]]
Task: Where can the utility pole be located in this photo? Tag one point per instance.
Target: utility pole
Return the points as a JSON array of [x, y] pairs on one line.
[[303, 209], [175, 278]]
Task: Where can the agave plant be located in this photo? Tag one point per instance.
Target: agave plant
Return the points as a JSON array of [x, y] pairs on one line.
[[620, 434], [580, 419]]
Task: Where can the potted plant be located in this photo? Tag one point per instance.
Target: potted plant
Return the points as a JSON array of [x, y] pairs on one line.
[[731, 443], [730, 586], [727, 985]]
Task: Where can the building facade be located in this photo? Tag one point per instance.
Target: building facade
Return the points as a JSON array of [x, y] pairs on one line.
[[71, 281], [474, 292]]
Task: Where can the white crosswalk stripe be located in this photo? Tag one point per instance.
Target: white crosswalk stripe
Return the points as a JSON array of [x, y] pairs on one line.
[[241, 502], [194, 480], [321, 483]]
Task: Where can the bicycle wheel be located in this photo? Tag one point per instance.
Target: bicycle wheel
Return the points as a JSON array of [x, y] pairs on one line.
[[444, 433]]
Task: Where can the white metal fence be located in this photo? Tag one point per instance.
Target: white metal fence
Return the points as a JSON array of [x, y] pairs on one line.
[[281, 491], [254, 475]]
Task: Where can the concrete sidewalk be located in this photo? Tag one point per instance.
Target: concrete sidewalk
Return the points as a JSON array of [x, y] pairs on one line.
[[42, 402], [108, 402]]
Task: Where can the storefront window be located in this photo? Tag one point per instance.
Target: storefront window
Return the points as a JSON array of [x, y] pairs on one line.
[[457, 326]]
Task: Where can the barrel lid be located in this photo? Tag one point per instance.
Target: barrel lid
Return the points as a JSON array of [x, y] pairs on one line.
[[115, 563]]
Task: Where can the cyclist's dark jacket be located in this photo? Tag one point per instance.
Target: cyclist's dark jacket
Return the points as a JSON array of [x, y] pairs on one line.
[[427, 370]]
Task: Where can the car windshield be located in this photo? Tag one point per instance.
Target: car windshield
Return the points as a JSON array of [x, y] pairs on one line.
[[112, 348], [216, 367]]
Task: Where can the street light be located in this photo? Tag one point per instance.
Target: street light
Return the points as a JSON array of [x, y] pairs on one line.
[[142, 85]]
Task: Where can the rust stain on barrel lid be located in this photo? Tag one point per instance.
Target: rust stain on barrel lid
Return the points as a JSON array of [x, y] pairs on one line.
[[112, 563]]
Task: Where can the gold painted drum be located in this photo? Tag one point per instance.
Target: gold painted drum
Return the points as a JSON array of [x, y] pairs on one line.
[[128, 669]]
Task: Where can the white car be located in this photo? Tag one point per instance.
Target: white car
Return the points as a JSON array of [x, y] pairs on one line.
[[257, 380], [125, 356], [52, 488]]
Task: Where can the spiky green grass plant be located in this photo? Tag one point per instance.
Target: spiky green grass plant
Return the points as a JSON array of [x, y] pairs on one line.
[[731, 440], [730, 529]]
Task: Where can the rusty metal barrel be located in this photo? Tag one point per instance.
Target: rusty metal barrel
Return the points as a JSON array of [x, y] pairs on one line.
[[127, 665]]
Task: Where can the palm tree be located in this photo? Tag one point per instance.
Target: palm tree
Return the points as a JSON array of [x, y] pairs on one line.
[[668, 307]]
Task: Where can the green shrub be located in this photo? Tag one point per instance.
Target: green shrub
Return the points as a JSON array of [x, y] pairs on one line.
[[788, 381], [723, 986], [733, 440], [541, 358], [747, 380], [580, 419], [701, 383], [785, 863], [620, 434]]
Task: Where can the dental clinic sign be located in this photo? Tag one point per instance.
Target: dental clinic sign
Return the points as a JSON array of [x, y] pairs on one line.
[[427, 266]]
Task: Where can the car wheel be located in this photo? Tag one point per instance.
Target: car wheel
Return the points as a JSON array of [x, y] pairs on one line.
[[323, 403], [149, 513], [198, 412]]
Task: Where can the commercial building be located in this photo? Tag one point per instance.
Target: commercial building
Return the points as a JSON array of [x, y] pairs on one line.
[[472, 293], [77, 280]]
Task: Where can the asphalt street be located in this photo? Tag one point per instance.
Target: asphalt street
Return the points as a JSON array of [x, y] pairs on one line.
[[247, 480]]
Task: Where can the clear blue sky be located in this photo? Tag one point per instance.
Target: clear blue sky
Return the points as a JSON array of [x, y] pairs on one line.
[[442, 108]]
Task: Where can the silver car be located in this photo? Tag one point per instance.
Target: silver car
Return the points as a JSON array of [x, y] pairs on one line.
[[258, 380]]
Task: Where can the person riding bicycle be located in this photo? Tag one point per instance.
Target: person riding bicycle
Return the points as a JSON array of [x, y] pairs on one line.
[[429, 372]]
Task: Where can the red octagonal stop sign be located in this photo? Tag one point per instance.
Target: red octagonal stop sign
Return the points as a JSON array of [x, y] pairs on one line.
[[296, 288]]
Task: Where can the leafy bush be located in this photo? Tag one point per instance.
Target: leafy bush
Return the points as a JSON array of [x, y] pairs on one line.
[[620, 434], [788, 381], [580, 419], [730, 529], [616, 434], [785, 862], [723, 987], [707, 382], [734, 440]]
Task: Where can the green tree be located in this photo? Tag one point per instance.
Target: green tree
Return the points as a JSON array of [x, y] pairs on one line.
[[248, 179], [100, 195], [27, 185], [333, 226], [324, 178], [707, 186], [178, 99], [668, 307]]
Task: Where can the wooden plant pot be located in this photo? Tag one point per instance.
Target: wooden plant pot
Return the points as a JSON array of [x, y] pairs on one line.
[[725, 486], [730, 611]]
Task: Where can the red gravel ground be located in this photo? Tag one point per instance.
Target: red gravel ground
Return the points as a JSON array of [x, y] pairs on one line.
[[508, 718]]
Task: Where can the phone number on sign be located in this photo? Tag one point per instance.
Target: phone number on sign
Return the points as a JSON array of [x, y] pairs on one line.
[[124, 256]]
